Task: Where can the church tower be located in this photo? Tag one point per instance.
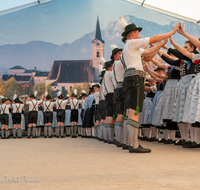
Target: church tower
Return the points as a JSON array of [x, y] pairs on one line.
[[97, 45]]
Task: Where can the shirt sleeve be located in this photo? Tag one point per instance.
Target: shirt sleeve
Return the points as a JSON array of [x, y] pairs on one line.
[[40, 101], [141, 51], [138, 43], [28, 102]]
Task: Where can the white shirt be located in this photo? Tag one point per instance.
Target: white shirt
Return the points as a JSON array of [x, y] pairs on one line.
[[132, 53], [17, 108], [119, 71], [83, 103], [96, 97], [195, 57], [48, 106], [102, 91], [33, 105], [4, 108], [109, 86], [60, 104], [74, 103]]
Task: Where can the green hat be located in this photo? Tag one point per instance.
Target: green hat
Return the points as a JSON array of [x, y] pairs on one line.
[[147, 84], [129, 28], [3, 100], [17, 100], [108, 64], [124, 39], [158, 68], [60, 97], [114, 51], [32, 96], [48, 97], [102, 73], [97, 85]]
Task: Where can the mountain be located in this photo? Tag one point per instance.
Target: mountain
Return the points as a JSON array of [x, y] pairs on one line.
[[42, 54]]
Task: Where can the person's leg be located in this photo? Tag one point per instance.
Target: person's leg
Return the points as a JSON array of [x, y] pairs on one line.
[[19, 132], [29, 129], [2, 131], [14, 131]]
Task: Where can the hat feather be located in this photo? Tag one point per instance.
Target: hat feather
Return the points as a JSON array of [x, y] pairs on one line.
[[102, 60], [46, 93], [35, 93], [83, 91], [1, 97], [67, 95], [100, 68], [113, 46], [15, 96], [122, 23], [59, 93], [75, 92]]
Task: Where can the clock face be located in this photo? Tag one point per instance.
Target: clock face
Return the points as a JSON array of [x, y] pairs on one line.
[[97, 44]]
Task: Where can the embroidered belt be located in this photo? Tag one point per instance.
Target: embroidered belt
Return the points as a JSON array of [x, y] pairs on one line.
[[119, 85], [133, 72]]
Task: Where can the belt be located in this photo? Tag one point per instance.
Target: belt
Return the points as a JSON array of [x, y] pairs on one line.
[[133, 72], [119, 85]]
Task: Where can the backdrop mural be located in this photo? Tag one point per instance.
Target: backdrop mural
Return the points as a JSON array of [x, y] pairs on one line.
[[64, 29]]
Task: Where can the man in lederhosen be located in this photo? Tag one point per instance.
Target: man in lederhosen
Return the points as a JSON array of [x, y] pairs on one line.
[[84, 95], [48, 115], [17, 107], [134, 77], [33, 113]]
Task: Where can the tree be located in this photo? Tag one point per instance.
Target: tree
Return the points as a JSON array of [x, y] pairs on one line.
[[10, 87], [40, 88], [85, 87]]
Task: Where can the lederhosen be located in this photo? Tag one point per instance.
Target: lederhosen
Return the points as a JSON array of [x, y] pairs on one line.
[[33, 115], [109, 104], [48, 115], [119, 96], [92, 113], [134, 87], [17, 116], [60, 113], [74, 113], [4, 116]]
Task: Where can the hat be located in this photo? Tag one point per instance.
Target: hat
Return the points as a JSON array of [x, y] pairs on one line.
[[59, 95], [124, 39], [102, 73], [108, 64], [74, 94], [158, 68], [84, 93], [48, 97], [115, 49], [129, 28], [33, 95], [97, 85], [147, 84], [3, 100], [17, 100]]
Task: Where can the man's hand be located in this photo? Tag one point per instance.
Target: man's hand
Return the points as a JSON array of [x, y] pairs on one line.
[[180, 30], [175, 28]]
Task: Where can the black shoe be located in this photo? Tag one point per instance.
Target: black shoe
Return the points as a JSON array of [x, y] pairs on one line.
[[7, 137], [184, 145], [34, 137], [105, 141], [2, 137], [125, 147], [169, 141], [119, 145], [110, 142], [152, 139], [75, 136], [14, 137], [62, 136], [100, 139], [161, 141], [57, 136], [19, 137], [50, 136], [45, 136], [192, 145], [28, 137], [140, 149], [79, 135]]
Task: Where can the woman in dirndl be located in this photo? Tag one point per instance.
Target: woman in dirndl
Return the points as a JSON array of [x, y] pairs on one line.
[[40, 121], [67, 123]]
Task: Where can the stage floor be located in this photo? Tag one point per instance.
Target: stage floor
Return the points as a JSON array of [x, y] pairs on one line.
[[89, 164]]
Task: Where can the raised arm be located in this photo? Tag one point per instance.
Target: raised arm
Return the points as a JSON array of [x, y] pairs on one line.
[[157, 63], [159, 37], [195, 41], [180, 49]]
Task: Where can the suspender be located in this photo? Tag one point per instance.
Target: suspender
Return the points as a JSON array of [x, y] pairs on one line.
[[123, 62], [59, 105], [17, 108], [114, 73], [47, 107], [34, 108], [3, 109], [112, 82], [75, 105]]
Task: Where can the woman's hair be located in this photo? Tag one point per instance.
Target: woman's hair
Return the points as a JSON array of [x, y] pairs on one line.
[[191, 44]]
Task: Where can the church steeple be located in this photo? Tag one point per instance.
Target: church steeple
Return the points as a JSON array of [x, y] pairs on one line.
[[97, 34], [97, 45]]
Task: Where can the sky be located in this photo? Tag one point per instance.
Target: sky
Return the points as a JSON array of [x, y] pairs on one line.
[[189, 8]]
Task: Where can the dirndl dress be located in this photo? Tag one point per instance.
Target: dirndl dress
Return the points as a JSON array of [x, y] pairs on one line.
[[154, 105], [40, 120], [22, 122], [79, 123], [67, 117], [181, 93], [54, 122], [10, 122], [169, 95], [157, 115], [191, 112]]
